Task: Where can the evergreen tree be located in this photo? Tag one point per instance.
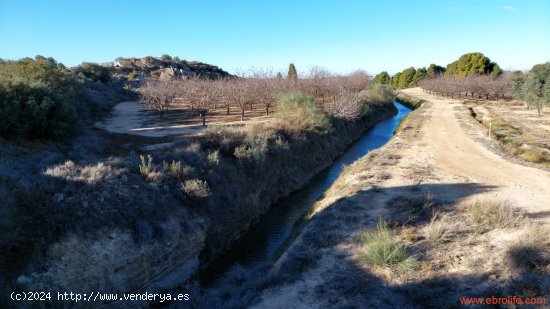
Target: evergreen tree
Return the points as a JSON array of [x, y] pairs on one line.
[[471, 64], [419, 75], [292, 74], [406, 78], [434, 70], [395, 80], [534, 87], [382, 78]]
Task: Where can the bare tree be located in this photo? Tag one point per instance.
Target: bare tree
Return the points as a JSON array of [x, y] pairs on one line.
[[348, 105], [157, 95], [238, 94], [357, 81]]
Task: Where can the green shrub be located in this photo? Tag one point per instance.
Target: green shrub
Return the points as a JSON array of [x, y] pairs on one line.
[[133, 75], [196, 188], [34, 112], [95, 72], [380, 93], [382, 250], [253, 152], [146, 165], [297, 112]]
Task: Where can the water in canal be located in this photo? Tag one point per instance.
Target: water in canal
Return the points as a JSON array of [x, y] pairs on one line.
[[265, 240]]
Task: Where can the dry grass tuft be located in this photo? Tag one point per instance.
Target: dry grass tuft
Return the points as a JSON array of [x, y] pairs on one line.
[[485, 214], [532, 249], [439, 230], [381, 250]]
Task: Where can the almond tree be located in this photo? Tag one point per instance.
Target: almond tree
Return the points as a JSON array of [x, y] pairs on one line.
[[206, 98], [157, 95], [238, 94], [357, 81]]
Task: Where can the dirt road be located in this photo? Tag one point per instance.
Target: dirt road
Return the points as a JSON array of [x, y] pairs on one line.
[[458, 152]]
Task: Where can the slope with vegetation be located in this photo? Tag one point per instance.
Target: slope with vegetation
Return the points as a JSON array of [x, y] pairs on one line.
[[82, 216]]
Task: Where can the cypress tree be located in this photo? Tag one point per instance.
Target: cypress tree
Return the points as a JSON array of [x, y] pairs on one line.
[[292, 74]]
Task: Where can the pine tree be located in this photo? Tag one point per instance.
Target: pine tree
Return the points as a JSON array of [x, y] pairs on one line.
[[382, 78]]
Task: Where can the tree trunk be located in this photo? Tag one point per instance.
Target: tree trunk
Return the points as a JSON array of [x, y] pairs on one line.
[[161, 116], [242, 113], [267, 110], [227, 109]]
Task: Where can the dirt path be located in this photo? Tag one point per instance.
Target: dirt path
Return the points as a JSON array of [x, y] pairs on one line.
[[457, 153], [131, 118]]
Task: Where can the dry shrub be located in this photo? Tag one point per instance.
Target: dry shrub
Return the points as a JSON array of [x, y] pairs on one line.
[[177, 170], [532, 249], [485, 214], [91, 174], [213, 157], [535, 155], [348, 105], [196, 188]]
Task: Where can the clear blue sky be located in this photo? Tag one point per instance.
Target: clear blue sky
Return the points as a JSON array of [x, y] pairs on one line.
[[339, 35]]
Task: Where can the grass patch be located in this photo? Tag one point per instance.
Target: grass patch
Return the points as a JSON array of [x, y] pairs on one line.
[[486, 215], [532, 249], [439, 229], [535, 155], [381, 250]]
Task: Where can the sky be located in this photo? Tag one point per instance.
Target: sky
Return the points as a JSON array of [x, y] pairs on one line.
[[237, 35]]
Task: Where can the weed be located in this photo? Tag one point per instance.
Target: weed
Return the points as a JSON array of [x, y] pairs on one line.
[[382, 250], [214, 157], [535, 155], [146, 166], [486, 215], [439, 228], [177, 170]]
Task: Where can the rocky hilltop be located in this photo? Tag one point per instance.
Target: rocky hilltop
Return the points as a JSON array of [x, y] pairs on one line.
[[163, 68]]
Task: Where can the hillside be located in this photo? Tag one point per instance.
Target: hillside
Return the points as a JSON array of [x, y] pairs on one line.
[[162, 68]]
